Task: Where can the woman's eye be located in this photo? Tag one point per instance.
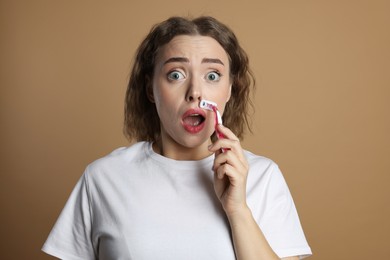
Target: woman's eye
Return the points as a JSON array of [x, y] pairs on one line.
[[175, 75], [213, 76]]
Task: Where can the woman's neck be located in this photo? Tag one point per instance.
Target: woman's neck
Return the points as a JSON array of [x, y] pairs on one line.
[[181, 153]]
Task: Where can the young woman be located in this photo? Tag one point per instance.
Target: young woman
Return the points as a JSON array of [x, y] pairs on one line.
[[180, 192]]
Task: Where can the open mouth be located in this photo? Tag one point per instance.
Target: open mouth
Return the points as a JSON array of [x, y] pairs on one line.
[[193, 120]]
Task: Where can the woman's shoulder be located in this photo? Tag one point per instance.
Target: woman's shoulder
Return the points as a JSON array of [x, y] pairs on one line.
[[255, 160], [262, 168], [120, 156]]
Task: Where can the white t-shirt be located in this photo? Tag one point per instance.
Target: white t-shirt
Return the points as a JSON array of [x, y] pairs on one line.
[[137, 204]]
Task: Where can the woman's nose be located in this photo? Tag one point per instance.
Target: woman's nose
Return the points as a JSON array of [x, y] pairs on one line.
[[194, 92]]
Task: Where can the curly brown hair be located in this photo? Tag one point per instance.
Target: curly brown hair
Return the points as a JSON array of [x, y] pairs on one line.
[[141, 121]]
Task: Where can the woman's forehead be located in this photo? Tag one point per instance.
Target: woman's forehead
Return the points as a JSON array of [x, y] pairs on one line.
[[193, 47]]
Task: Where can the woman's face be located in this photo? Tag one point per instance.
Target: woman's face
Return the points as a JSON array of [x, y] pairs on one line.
[[187, 70]]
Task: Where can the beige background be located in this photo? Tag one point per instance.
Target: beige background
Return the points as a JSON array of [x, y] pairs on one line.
[[322, 108]]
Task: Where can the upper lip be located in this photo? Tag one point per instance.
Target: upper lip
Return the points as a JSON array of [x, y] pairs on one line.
[[193, 112]]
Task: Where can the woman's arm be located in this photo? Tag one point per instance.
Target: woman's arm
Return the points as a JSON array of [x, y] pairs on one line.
[[231, 170], [249, 241]]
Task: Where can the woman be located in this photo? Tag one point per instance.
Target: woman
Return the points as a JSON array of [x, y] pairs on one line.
[[179, 192]]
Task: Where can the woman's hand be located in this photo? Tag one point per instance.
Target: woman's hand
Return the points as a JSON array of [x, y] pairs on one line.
[[230, 172]]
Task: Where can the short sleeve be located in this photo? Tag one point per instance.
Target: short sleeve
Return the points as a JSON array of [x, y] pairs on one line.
[[279, 220], [71, 236]]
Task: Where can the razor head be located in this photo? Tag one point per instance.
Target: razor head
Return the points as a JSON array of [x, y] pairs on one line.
[[209, 105]]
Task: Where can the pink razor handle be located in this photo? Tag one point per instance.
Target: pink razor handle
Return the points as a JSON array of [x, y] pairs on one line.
[[218, 121]]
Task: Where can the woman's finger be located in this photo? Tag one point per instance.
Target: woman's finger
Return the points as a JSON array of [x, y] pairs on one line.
[[227, 132], [228, 145], [228, 157]]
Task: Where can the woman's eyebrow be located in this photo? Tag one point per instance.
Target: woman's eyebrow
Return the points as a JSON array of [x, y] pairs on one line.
[[186, 60], [177, 59], [210, 60]]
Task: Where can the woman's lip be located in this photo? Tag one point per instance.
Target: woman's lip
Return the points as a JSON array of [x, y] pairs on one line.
[[193, 129], [194, 111]]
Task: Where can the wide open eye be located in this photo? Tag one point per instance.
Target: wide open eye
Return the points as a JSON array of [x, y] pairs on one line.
[[175, 75], [213, 76]]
